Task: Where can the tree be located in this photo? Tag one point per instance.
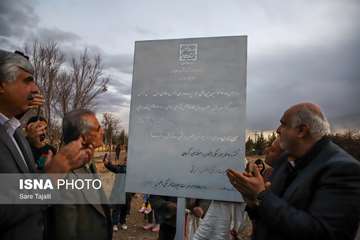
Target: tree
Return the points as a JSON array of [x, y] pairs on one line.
[[249, 147], [79, 88], [110, 126], [271, 139], [260, 144], [47, 59], [121, 138], [87, 78], [349, 141], [65, 88]]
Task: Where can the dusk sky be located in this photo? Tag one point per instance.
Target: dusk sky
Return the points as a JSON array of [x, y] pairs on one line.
[[298, 50]]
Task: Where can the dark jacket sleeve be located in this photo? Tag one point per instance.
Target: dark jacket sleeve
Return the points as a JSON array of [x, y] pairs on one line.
[[11, 215], [67, 227], [161, 204], [337, 195], [116, 168]]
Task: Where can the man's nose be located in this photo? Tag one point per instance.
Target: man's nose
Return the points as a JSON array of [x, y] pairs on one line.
[[35, 88], [278, 130]]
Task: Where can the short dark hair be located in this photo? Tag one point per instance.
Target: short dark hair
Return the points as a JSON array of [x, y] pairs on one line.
[[35, 119], [74, 125], [260, 162]]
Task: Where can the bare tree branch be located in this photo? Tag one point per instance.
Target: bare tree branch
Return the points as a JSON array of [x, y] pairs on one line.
[[65, 89]]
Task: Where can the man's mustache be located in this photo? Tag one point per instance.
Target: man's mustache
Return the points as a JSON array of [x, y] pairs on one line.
[[30, 97]]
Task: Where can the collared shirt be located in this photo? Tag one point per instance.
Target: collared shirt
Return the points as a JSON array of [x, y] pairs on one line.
[[11, 125]]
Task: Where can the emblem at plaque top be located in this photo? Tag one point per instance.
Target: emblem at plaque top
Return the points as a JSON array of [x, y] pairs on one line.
[[188, 52]]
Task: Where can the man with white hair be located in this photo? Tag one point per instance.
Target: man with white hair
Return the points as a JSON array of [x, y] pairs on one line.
[[87, 221], [17, 89], [314, 196]]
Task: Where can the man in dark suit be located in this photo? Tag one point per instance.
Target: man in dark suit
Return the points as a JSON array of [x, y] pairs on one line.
[[315, 196], [17, 87], [80, 221]]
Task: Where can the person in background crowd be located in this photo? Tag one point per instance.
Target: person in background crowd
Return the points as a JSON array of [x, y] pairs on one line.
[[117, 151], [260, 165], [152, 216], [118, 194], [36, 135], [146, 206], [166, 207], [221, 221]]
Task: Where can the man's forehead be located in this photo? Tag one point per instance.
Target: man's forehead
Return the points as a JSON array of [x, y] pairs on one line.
[[91, 119], [287, 115], [282, 119], [24, 70], [24, 73]]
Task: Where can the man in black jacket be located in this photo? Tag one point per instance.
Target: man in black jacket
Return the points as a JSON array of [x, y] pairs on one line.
[[166, 208], [315, 196]]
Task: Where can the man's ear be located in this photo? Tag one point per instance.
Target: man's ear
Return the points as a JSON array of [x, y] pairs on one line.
[[303, 130], [2, 90], [85, 139]]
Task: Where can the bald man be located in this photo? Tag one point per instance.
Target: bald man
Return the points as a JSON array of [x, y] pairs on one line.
[[315, 195]]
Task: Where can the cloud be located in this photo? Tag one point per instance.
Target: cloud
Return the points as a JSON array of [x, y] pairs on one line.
[[118, 67], [7, 44], [327, 75], [17, 18], [144, 31], [112, 102], [55, 34], [298, 51], [121, 62], [120, 85]]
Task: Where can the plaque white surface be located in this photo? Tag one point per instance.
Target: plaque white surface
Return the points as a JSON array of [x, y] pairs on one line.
[[187, 117]]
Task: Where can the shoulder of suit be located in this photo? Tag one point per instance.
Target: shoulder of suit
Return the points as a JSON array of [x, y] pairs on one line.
[[340, 159]]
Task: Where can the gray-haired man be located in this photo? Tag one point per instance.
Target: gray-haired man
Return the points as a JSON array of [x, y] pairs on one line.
[[315, 195], [83, 221], [17, 87]]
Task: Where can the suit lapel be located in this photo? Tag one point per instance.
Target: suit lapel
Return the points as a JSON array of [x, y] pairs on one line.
[[5, 138], [25, 148], [309, 170], [98, 207], [278, 179]]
